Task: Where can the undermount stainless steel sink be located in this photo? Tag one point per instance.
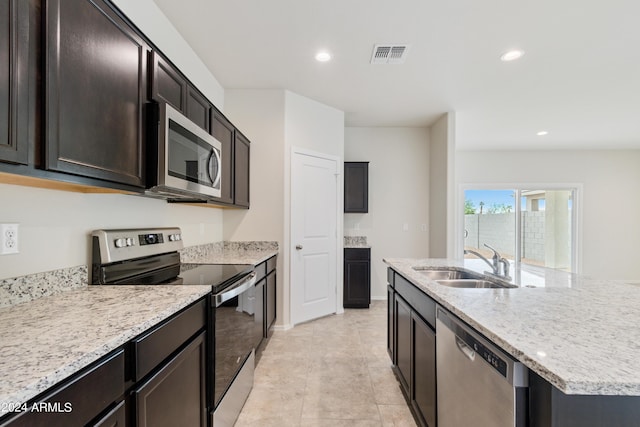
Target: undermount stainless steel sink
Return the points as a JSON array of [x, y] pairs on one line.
[[446, 274], [473, 283], [460, 279]]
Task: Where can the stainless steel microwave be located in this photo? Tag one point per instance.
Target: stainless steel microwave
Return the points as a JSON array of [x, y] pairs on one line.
[[188, 159]]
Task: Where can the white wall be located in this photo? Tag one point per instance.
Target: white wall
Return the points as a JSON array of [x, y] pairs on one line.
[[438, 169], [54, 225], [274, 121], [610, 205], [398, 194]]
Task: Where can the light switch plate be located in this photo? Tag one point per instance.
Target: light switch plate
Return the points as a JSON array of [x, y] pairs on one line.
[[8, 239]]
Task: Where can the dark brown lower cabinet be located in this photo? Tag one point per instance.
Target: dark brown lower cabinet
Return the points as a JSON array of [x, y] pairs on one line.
[[357, 278], [423, 368], [403, 343], [270, 301], [115, 418], [81, 399], [391, 324], [176, 394]]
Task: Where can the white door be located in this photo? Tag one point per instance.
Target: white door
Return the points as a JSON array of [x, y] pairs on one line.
[[314, 210]]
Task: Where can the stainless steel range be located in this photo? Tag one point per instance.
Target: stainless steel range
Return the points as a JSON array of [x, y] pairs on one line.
[[151, 257]]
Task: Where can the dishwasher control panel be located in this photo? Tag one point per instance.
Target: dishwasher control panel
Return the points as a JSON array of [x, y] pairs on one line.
[[481, 350]]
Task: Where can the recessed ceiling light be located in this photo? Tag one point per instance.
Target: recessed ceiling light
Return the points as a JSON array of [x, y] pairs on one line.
[[323, 56], [542, 133], [512, 55]]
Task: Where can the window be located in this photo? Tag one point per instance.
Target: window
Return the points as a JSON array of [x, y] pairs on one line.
[[528, 226]]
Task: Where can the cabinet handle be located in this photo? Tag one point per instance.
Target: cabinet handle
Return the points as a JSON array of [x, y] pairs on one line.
[[298, 247]]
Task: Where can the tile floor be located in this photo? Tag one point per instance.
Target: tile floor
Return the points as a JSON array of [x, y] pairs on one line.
[[334, 371]]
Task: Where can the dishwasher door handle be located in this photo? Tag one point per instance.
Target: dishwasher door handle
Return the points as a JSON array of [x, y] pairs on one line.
[[465, 349]]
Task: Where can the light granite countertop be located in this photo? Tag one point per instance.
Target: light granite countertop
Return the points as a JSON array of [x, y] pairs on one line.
[[230, 253], [53, 324], [578, 333], [48, 339]]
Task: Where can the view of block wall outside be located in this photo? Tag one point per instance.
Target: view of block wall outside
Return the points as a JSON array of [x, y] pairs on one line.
[[545, 225], [498, 230]]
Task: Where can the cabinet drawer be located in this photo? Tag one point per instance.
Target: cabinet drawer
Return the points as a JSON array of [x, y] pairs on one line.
[[156, 345], [357, 254], [271, 264], [81, 399], [390, 277], [421, 303]]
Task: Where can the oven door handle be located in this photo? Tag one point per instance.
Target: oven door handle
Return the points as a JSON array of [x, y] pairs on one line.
[[236, 289]]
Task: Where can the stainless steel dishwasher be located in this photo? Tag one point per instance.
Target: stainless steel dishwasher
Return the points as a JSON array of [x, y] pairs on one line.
[[478, 384]]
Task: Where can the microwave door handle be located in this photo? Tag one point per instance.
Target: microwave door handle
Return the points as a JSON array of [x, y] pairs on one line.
[[214, 179], [210, 165]]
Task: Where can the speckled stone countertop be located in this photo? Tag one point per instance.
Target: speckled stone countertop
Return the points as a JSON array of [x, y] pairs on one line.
[[356, 242], [48, 339], [229, 253], [578, 333]]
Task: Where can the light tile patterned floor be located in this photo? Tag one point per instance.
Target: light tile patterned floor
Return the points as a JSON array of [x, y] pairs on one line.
[[331, 372]]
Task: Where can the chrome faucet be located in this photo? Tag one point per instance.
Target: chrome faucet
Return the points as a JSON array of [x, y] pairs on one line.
[[497, 262]]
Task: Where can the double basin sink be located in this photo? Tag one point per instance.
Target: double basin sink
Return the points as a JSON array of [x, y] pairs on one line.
[[461, 279]]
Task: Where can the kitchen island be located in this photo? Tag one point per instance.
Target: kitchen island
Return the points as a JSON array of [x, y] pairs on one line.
[[575, 333]]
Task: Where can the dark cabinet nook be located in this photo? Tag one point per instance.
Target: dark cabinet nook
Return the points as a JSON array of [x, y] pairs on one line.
[[356, 187], [357, 278], [95, 92]]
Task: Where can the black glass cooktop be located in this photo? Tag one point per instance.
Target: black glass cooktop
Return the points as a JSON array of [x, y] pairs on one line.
[[218, 276]]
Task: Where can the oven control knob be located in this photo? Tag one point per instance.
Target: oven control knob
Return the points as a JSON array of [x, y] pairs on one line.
[[130, 241], [120, 243], [172, 237]]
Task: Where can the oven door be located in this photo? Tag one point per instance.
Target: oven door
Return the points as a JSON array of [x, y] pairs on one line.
[[235, 312], [192, 158]]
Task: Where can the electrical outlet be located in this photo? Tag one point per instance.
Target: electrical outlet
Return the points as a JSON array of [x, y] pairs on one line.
[[8, 239]]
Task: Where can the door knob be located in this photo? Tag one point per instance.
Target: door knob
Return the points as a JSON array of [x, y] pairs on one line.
[[298, 247]]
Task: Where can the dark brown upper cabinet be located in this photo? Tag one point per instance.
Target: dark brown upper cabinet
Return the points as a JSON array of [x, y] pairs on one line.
[[198, 109], [241, 170], [222, 130], [14, 63], [356, 187], [167, 84], [235, 161], [95, 92]]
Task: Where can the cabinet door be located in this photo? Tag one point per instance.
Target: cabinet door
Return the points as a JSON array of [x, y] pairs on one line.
[[14, 62], [222, 130], [391, 295], [167, 84], [96, 86], [357, 280], [198, 109], [403, 342], [241, 170], [175, 395], [80, 399], [270, 300], [356, 187], [423, 363]]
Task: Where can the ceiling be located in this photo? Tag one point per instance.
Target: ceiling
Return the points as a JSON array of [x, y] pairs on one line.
[[579, 78]]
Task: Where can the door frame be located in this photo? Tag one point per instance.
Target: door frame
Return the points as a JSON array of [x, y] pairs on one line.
[[339, 224]]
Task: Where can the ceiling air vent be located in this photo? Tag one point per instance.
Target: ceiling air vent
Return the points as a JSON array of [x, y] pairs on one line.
[[389, 53]]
